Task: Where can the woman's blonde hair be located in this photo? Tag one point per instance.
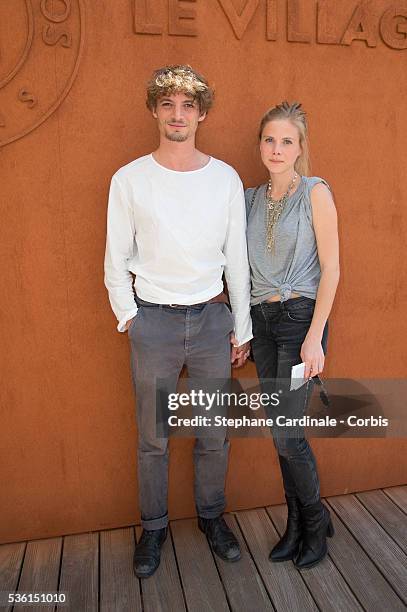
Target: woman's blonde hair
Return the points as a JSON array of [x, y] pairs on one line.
[[296, 115]]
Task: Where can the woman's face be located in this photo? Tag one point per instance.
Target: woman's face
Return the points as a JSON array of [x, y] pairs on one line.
[[280, 146]]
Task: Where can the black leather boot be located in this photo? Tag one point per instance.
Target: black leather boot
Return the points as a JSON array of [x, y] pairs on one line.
[[316, 526], [148, 552], [220, 538], [287, 547]]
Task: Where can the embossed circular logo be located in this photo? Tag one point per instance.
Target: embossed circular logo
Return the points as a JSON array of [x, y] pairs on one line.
[[39, 60]]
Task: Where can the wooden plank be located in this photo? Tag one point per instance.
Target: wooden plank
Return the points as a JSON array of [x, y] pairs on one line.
[[380, 547], [202, 587], [325, 582], [242, 582], [79, 572], [162, 592], [119, 587], [368, 584], [398, 495], [283, 582], [40, 570], [390, 517], [11, 559]]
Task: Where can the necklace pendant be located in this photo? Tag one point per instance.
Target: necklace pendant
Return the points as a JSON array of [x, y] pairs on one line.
[[274, 210]]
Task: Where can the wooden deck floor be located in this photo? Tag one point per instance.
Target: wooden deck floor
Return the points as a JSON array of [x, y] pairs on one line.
[[366, 568]]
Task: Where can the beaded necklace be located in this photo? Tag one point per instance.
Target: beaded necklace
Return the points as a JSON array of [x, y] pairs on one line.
[[274, 210]]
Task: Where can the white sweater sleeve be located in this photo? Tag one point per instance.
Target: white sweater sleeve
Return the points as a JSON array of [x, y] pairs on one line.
[[237, 272], [119, 249]]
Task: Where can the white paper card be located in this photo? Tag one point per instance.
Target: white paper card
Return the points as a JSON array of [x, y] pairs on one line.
[[297, 376]]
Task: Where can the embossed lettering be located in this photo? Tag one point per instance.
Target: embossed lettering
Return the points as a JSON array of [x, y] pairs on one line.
[[324, 30], [142, 18], [177, 16], [56, 17], [360, 27], [27, 97], [363, 24], [293, 14], [271, 27], [51, 36], [240, 22], [393, 27]]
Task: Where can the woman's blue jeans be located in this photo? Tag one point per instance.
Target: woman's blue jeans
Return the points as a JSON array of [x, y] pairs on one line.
[[279, 329]]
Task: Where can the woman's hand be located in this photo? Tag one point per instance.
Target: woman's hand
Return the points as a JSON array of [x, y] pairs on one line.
[[313, 356], [239, 354]]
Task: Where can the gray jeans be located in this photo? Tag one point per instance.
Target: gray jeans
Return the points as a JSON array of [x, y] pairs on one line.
[[162, 340]]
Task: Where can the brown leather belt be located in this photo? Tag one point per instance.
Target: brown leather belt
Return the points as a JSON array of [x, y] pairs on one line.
[[218, 298]]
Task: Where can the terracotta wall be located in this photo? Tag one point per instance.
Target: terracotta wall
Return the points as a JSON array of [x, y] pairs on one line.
[[72, 77]]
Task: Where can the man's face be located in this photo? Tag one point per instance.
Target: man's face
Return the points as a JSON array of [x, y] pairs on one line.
[[178, 117]]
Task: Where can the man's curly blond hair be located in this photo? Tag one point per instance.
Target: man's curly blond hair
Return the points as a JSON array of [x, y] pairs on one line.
[[179, 79]]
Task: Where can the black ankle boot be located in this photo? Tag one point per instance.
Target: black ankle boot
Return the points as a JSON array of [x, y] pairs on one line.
[[148, 552], [220, 537], [316, 526], [287, 547]]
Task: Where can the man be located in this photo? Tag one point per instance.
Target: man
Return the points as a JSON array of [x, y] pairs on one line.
[[176, 220]]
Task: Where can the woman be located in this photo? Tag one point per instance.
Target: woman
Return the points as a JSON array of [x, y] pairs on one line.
[[293, 252]]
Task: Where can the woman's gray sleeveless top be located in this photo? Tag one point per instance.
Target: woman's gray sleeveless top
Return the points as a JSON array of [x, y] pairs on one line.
[[293, 264]]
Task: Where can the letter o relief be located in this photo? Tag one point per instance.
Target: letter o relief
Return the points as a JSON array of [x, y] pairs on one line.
[[56, 17], [27, 101], [393, 27]]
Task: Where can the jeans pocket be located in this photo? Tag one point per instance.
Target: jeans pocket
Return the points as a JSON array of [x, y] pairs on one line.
[[231, 318], [136, 317], [301, 315]]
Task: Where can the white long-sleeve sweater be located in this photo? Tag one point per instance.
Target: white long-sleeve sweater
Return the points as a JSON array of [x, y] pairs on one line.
[[177, 232]]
